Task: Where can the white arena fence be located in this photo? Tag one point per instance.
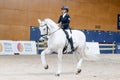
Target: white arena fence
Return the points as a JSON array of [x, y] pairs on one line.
[[92, 47], [107, 46], [40, 46]]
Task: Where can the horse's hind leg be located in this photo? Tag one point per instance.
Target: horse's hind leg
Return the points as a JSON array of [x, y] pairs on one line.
[[79, 66], [46, 51], [79, 63]]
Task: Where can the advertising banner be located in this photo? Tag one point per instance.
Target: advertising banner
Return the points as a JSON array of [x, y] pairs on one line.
[[6, 47], [20, 47], [25, 47]]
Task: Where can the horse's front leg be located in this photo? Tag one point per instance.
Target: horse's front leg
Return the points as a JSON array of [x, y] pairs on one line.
[[59, 62], [46, 51]]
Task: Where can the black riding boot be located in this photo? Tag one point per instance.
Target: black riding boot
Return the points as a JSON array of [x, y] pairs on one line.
[[71, 43]]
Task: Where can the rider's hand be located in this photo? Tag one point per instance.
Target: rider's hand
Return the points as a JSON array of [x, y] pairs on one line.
[[59, 24]]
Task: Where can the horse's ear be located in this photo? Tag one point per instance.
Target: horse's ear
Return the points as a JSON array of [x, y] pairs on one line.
[[39, 21]]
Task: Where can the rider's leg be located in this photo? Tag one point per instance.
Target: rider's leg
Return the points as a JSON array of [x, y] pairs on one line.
[[71, 43], [70, 39]]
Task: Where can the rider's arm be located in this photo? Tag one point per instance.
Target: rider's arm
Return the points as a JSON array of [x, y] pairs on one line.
[[59, 21]]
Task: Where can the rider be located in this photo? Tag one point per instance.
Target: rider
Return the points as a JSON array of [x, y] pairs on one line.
[[64, 20]]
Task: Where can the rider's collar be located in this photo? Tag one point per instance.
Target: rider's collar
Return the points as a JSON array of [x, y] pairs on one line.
[[64, 15]]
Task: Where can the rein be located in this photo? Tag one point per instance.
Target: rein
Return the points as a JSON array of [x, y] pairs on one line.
[[54, 31], [48, 29]]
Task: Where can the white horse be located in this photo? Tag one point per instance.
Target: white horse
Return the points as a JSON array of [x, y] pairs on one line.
[[57, 41]]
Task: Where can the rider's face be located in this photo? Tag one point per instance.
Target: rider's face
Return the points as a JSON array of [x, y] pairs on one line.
[[63, 11]]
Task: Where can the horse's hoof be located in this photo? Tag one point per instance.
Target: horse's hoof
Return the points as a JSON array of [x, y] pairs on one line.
[[65, 52], [57, 75], [79, 70], [46, 67]]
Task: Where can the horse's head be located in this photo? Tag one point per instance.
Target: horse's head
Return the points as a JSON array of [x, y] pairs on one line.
[[43, 27], [47, 26]]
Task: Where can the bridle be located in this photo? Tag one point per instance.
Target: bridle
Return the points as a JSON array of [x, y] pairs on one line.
[[47, 31]]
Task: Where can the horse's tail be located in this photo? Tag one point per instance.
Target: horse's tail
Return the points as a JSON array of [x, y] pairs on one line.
[[88, 56]]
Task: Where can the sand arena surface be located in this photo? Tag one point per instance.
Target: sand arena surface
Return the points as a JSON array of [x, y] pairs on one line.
[[24, 67]]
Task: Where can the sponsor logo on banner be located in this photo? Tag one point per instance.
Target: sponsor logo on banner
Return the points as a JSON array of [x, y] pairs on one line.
[[1, 48], [20, 47]]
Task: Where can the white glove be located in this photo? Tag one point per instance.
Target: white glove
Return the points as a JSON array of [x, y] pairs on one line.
[[59, 24]]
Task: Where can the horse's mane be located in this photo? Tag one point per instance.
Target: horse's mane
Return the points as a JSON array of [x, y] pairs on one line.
[[50, 22]]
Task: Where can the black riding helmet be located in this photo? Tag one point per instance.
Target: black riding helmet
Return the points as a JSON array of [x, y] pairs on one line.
[[65, 8]]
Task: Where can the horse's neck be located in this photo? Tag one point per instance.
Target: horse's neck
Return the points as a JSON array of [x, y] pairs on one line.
[[52, 26], [53, 29]]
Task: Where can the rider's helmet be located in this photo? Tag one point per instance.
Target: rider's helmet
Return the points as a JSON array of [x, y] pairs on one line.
[[65, 8]]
